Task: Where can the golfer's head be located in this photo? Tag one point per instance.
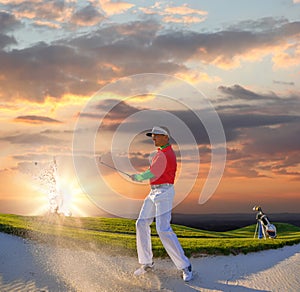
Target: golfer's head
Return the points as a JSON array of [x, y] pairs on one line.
[[160, 135]]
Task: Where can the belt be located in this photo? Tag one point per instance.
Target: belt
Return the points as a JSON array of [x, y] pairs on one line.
[[153, 187]]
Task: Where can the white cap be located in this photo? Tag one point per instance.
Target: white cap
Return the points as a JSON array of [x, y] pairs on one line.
[[158, 130]]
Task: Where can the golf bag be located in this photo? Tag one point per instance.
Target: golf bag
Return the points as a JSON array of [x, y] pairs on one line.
[[265, 228]]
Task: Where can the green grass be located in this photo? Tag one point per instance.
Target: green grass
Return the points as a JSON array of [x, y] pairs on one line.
[[119, 235]]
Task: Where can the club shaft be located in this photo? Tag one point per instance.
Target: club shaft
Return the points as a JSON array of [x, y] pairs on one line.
[[112, 167]]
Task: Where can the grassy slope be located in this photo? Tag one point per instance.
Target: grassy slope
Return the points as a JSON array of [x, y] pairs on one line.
[[117, 234]]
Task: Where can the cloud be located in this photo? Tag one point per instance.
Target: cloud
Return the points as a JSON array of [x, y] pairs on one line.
[[6, 41], [259, 25], [259, 137], [244, 167], [184, 10], [120, 111], [36, 120], [287, 58], [282, 139], [265, 152], [243, 121], [47, 24], [56, 14], [267, 103], [115, 7], [196, 76], [30, 139], [237, 91], [87, 16], [65, 14], [42, 10], [76, 67], [226, 49], [112, 114], [41, 71], [8, 22], [186, 19], [176, 14], [283, 82], [235, 123], [82, 64], [33, 157]]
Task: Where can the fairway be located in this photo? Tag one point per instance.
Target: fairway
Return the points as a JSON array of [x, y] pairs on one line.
[[117, 235]]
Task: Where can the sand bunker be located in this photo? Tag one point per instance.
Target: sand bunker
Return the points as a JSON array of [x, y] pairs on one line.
[[30, 266]]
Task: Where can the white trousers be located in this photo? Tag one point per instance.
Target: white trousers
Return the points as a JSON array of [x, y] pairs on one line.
[[158, 204]]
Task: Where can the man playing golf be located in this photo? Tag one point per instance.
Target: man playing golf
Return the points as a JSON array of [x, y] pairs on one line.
[[158, 204]]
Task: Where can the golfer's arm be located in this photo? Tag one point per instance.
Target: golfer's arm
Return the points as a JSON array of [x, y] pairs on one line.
[[144, 175]]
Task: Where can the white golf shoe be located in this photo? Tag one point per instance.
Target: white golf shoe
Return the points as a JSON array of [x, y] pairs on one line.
[[144, 269], [187, 274]]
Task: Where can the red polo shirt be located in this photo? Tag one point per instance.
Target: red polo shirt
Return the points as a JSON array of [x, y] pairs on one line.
[[163, 166]]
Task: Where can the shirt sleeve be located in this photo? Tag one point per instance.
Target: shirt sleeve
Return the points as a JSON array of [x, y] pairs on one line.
[[144, 175]]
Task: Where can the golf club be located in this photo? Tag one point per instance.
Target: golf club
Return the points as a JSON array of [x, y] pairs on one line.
[[112, 167]]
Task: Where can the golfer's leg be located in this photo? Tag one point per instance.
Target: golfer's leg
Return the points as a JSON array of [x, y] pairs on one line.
[[143, 232], [167, 235]]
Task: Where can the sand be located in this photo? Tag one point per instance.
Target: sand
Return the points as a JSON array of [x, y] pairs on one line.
[[30, 266]]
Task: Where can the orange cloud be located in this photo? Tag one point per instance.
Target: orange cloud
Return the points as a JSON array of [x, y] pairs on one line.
[[184, 10], [287, 58], [111, 8], [15, 2], [284, 55], [47, 24], [193, 77], [176, 14], [142, 98], [41, 10]]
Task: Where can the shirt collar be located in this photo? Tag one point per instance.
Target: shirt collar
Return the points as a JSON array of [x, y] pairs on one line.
[[164, 146]]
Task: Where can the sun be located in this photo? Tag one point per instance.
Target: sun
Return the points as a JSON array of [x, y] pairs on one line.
[[69, 196]]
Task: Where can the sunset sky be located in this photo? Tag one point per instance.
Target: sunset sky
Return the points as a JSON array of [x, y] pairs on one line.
[[68, 68]]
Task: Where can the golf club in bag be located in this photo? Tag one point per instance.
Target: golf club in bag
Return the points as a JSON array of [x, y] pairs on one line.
[[263, 227]]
